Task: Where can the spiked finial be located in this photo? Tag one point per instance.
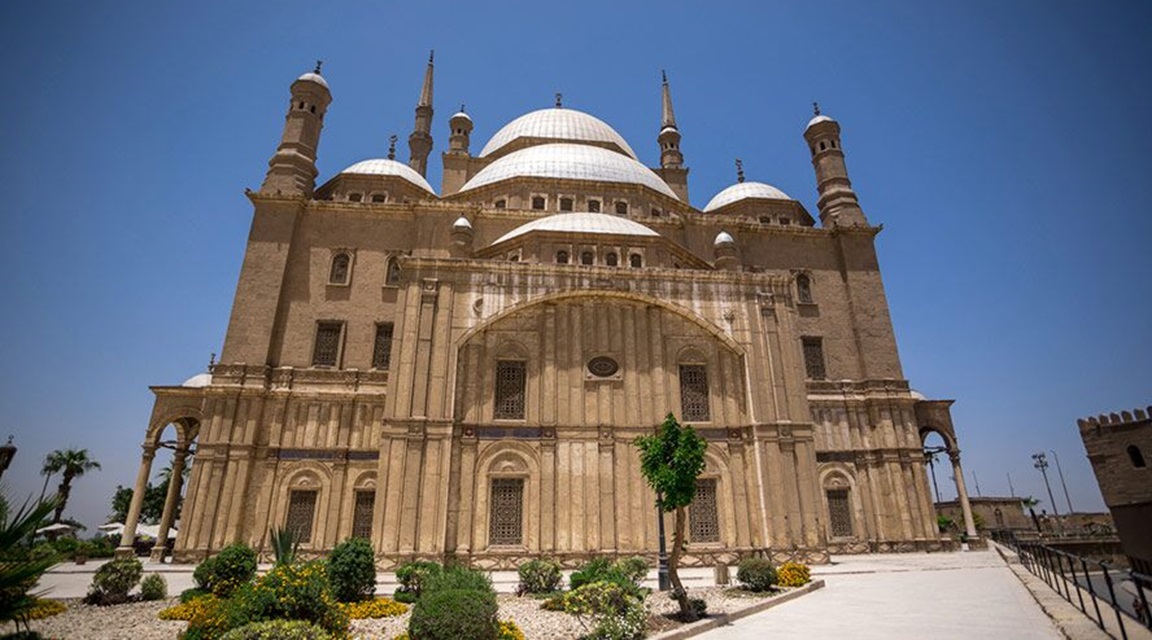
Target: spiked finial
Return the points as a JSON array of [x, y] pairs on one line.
[[426, 90], [431, 55], [816, 108], [392, 146], [211, 360], [739, 170], [319, 63], [462, 108], [559, 98], [664, 76], [667, 117]]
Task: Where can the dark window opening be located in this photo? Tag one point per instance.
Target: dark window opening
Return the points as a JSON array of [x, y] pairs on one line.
[[339, 272], [621, 208], [382, 348], [635, 261], [355, 197], [362, 514], [785, 221], [379, 197], [566, 204], [392, 273], [326, 351], [537, 202], [587, 258], [594, 206], [511, 378], [501, 204], [301, 511], [1136, 456], [814, 358], [839, 513], [765, 220], [694, 404], [611, 260], [561, 257], [804, 288], [703, 516]]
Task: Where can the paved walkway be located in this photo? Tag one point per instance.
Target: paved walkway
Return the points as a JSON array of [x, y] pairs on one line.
[[938, 596]]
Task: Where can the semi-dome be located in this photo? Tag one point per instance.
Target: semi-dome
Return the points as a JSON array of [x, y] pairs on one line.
[[723, 238], [197, 381], [572, 162], [589, 223], [461, 223], [386, 167], [567, 125], [744, 191], [313, 77]]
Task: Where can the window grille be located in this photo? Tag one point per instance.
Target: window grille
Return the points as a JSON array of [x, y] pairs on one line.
[[382, 350], [392, 275], [804, 288], [839, 513], [326, 352], [379, 197], [594, 206], [703, 516], [636, 261], [362, 514], [339, 272], [611, 260], [694, 392], [814, 358], [506, 520], [621, 208], [356, 197], [587, 258], [537, 202], [566, 204], [301, 509], [510, 380], [561, 257], [501, 204]]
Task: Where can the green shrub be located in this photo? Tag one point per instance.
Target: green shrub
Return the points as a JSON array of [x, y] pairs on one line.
[[352, 570], [455, 614], [457, 578], [627, 573], [285, 544], [235, 565], [539, 576], [793, 574], [113, 580], [188, 595], [412, 576], [278, 630], [153, 587], [756, 574], [204, 573], [592, 571], [634, 568], [615, 613]]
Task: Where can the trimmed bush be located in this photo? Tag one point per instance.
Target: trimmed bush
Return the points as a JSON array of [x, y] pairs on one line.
[[615, 613], [153, 587], [457, 578], [113, 580], [626, 573], [793, 574], [412, 576], [756, 574], [278, 630], [352, 570], [203, 574], [455, 614], [235, 565], [540, 576]]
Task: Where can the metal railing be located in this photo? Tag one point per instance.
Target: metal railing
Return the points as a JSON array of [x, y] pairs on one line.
[[1091, 586]]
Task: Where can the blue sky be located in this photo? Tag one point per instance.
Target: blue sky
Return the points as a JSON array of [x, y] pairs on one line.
[[1002, 145]]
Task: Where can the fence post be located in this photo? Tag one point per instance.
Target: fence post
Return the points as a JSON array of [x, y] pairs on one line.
[[1079, 592], [1144, 616], [1092, 592], [1112, 596]]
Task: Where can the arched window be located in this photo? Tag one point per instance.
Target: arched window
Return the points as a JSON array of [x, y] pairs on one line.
[[392, 273], [839, 513], [587, 258], [694, 405], [501, 204], [611, 260], [635, 261], [1135, 455], [561, 257], [341, 268], [804, 288], [379, 197], [594, 206]]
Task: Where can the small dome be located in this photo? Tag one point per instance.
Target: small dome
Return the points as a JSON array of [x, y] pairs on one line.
[[562, 125], [571, 161], [386, 167], [591, 223], [723, 238], [917, 395], [462, 223], [669, 129], [197, 381], [744, 191], [460, 115], [313, 77], [817, 120]]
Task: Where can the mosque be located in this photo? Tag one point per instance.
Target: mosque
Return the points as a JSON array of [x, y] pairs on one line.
[[462, 372]]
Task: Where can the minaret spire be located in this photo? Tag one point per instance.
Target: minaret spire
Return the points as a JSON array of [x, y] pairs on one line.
[[669, 138], [420, 141], [669, 118]]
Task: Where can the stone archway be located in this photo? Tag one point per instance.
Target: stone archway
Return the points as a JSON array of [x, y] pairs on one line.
[[935, 417]]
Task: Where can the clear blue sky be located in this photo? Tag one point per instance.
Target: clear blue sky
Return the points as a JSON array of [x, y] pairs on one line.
[[1003, 145]]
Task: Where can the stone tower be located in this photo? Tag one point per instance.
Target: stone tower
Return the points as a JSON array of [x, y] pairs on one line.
[[420, 141], [672, 168], [838, 204], [459, 139], [292, 169]]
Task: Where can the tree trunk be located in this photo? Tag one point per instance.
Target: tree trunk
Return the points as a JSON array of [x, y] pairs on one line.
[[687, 612], [62, 497]]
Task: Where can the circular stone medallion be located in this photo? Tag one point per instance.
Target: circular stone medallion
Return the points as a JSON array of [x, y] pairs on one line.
[[603, 367]]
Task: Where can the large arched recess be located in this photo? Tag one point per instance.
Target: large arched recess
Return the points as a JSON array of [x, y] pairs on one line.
[[555, 337]]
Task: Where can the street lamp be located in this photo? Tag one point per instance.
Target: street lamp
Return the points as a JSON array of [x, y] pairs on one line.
[[930, 457], [1040, 461], [1062, 483]]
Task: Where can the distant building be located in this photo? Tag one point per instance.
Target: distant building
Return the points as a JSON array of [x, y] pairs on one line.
[[462, 372], [990, 514], [1118, 446]]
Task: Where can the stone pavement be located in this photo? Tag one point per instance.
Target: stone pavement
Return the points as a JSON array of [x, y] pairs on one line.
[[938, 596]]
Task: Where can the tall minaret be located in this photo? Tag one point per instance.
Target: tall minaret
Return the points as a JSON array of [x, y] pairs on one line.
[[669, 138], [838, 203], [292, 169], [420, 142]]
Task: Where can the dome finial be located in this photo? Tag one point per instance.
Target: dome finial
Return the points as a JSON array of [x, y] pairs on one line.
[[431, 56], [392, 146], [559, 98], [319, 63], [816, 108], [663, 76], [739, 170], [462, 108]]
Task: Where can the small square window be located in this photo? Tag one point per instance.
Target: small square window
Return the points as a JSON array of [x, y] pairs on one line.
[[765, 220], [538, 202], [621, 208], [587, 258], [594, 206], [379, 197], [355, 197], [501, 204], [785, 221], [656, 212], [566, 204]]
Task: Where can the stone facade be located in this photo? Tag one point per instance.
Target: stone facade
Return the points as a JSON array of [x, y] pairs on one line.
[[463, 374], [1118, 446]]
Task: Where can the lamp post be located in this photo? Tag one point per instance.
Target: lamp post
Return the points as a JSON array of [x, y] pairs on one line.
[[7, 452], [662, 580], [1040, 461], [930, 457], [1062, 483]]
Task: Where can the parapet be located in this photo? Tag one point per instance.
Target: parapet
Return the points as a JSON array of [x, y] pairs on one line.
[[1137, 417]]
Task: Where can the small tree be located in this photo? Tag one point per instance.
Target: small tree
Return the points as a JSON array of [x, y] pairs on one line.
[[670, 461]]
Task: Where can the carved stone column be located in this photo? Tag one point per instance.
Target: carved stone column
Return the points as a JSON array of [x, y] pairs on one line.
[[125, 550], [175, 483], [962, 493]]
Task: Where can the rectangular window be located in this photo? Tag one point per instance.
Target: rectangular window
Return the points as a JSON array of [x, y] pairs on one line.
[[326, 352], [694, 393], [537, 202], [511, 377], [565, 204], [814, 358], [301, 510], [382, 349], [703, 518], [506, 517], [839, 513], [621, 208], [594, 206], [362, 514]]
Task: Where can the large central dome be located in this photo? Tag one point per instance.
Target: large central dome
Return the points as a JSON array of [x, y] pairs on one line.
[[558, 125]]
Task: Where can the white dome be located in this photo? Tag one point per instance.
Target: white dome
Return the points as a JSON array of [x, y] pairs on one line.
[[461, 223], [818, 119], [198, 380], [743, 191], [314, 77], [595, 223], [566, 125], [723, 238], [386, 167], [571, 161], [461, 114]]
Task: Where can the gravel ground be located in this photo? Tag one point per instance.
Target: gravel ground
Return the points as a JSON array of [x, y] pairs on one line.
[[139, 621]]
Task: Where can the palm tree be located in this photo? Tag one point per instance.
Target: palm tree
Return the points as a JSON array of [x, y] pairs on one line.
[[72, 464]]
